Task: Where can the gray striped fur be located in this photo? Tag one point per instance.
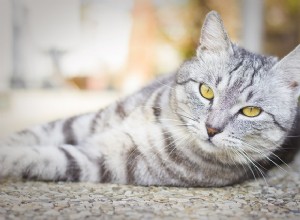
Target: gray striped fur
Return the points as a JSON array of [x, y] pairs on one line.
[[158, 135]]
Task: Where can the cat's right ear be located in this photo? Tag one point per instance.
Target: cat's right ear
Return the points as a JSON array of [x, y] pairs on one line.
[[214, 38], [288, 68]]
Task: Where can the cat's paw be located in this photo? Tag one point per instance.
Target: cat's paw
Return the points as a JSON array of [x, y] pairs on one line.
[[10, 158]]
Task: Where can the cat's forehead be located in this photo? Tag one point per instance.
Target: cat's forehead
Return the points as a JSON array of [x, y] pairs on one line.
[[242, 70]]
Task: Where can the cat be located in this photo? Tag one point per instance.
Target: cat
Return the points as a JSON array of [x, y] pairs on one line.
[[227, 115]]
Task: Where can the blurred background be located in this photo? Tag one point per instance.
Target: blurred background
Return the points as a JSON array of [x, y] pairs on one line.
[[64, 57]]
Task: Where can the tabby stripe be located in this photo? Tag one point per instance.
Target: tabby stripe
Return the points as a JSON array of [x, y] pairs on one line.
[[52, 124], [94, 124], [145, 102], [169, 171], [237, 66], [133, 156], [249, 84], [276, 122], [157, 172], [105, 173], [250, 95], [73, 171], [26, 174], [233, 70], [49, 127], [30, 133], [259, 129], [183, 119], [212, 161], [136, 154], [70, 137], [120, 110], [157, 108], [175, 155], [206, 158], [219, 79], [186, 81], [255, 71]]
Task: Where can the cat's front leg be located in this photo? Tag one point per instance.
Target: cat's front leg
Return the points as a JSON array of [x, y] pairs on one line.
[[49, 163]]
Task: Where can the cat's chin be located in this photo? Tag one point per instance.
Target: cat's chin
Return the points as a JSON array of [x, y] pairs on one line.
[[208, 146], [212, 150]]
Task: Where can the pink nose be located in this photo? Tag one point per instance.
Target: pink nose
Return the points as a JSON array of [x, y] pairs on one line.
[[212, 131]]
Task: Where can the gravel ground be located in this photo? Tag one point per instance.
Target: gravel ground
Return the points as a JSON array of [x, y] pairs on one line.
[[279, 198]]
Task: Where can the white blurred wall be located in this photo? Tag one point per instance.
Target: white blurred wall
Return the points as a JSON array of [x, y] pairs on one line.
[[48, 25], [5, 43], [91, 37]]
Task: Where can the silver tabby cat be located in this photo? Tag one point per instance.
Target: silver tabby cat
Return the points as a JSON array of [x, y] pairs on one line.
[[225, 116]]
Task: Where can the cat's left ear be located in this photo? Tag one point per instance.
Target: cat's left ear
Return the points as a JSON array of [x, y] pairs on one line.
[[288, 69], [214, 38]]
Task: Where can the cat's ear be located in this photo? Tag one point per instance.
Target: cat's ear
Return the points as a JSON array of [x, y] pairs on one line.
[[213, 35], [288, 69]]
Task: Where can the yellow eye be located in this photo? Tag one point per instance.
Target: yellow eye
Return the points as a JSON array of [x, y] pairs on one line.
[[251, 111], [206, 92]]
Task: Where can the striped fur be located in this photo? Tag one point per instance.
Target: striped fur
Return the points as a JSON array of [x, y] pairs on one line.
[[158, 135]]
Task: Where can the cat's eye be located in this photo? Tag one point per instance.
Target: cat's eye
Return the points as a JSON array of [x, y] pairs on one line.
[[251, 111], [206, 92]]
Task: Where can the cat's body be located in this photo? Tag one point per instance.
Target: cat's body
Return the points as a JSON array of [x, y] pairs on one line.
[[169, 133]]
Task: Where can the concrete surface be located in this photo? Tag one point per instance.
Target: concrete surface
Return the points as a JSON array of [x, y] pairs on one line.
[[277, 198]]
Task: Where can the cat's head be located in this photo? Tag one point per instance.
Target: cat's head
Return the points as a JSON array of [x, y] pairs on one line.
[[237, 105]]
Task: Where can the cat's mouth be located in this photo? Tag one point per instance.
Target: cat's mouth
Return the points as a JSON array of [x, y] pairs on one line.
[[210, 142], [208, 145]]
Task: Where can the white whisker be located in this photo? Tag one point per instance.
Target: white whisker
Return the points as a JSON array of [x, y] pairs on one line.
[[253, 163]]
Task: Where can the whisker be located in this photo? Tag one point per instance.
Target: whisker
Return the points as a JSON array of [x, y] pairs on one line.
[[253, 163], [267, 157], [182, 139], [272, 153], [266, 151], [163, 84], [169, 119], [182, 109], [293, 136], [173, 130], [187, 117], [183, 125], [241, 155]]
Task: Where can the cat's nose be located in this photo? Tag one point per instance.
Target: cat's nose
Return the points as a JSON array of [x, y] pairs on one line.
[[212, 131]]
